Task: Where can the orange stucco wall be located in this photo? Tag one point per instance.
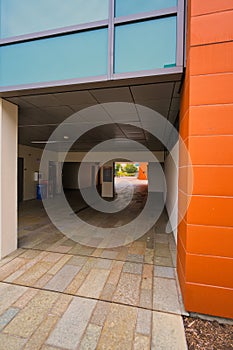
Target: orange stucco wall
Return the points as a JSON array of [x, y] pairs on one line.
[[142, 172], [205, 235]]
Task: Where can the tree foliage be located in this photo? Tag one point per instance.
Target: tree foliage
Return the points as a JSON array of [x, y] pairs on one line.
[[130, 168]]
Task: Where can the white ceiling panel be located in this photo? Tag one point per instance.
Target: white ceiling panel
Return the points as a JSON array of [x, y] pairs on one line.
[[152, 91], [59, 112], [42, 100], [78, 108], [94, 113], [112, 95], [76, 98], [42, 111], [161, 106], [122, 112]]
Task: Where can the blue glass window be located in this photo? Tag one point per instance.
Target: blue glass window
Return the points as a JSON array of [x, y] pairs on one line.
[[79, 55], [20, 17], [145, 45], [130, 7]]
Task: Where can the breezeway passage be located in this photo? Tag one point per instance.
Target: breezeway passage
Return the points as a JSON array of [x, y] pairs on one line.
[[103, 298]]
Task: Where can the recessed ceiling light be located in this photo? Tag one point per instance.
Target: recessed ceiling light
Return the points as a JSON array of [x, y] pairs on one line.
[[50, 141], [44, 142]]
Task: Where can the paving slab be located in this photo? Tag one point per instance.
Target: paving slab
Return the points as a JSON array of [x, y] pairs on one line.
[[70, 328], [168, 332], [78, 297], [63, 278], [165, 297]]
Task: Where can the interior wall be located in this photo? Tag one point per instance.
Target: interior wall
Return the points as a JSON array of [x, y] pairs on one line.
[[97, 156], [155, 178], [171, 174], [31, 156], [86, 175]]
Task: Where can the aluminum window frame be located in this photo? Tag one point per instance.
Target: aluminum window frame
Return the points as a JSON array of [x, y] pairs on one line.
[[110, 24]]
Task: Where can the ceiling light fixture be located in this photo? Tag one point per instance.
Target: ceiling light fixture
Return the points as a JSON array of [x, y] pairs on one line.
[[44, 142]]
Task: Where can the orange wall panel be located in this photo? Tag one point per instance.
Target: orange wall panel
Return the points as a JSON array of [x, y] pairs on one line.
[[211, 89], [213, 211], [206, 180], [184, 154], [211, 150], [200, 7], [210, 59], [208, 120], [209, 300], [182, 255], [182, 231], [186, 179], [209, 240], [211, 28], [181, 276], [210, 270], [184, 126], [205, 235], [183, 204], [212, 181]]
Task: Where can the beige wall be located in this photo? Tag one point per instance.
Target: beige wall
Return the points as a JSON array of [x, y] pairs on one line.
[[96, 156], [31, 156], [171, 173], [8, 177]]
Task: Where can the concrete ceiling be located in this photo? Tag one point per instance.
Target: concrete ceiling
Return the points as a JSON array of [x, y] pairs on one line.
[[39, 115]]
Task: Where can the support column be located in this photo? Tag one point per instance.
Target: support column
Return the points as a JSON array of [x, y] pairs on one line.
[[8, 177], [205, 235], [155, 178], [107, 180]]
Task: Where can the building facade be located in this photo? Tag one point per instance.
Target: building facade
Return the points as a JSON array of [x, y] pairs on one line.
[[170, 55]]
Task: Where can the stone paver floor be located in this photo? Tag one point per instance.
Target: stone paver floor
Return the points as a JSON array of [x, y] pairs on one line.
[[57, 294]]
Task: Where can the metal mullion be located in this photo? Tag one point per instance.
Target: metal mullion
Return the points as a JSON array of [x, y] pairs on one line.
[[54, 32], [56, 83], [180, 34], [111, 38], [146, 15], [146, 73]]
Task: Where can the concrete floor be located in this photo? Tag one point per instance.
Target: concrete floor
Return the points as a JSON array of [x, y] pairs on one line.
[[58, 294]]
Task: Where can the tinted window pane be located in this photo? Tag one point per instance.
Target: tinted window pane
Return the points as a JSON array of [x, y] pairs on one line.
[[145, 45], [129, 7], [29, 16], [71, 56]]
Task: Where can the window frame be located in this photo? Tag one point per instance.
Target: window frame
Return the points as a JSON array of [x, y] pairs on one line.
[[110, 23]]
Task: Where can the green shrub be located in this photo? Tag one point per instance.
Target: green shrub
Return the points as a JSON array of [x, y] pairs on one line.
[[130, 169]]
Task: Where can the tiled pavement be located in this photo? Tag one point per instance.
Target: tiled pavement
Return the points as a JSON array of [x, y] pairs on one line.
[[57, 294]]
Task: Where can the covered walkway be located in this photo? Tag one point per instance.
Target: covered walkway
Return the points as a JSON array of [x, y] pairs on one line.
[[58, 294]]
